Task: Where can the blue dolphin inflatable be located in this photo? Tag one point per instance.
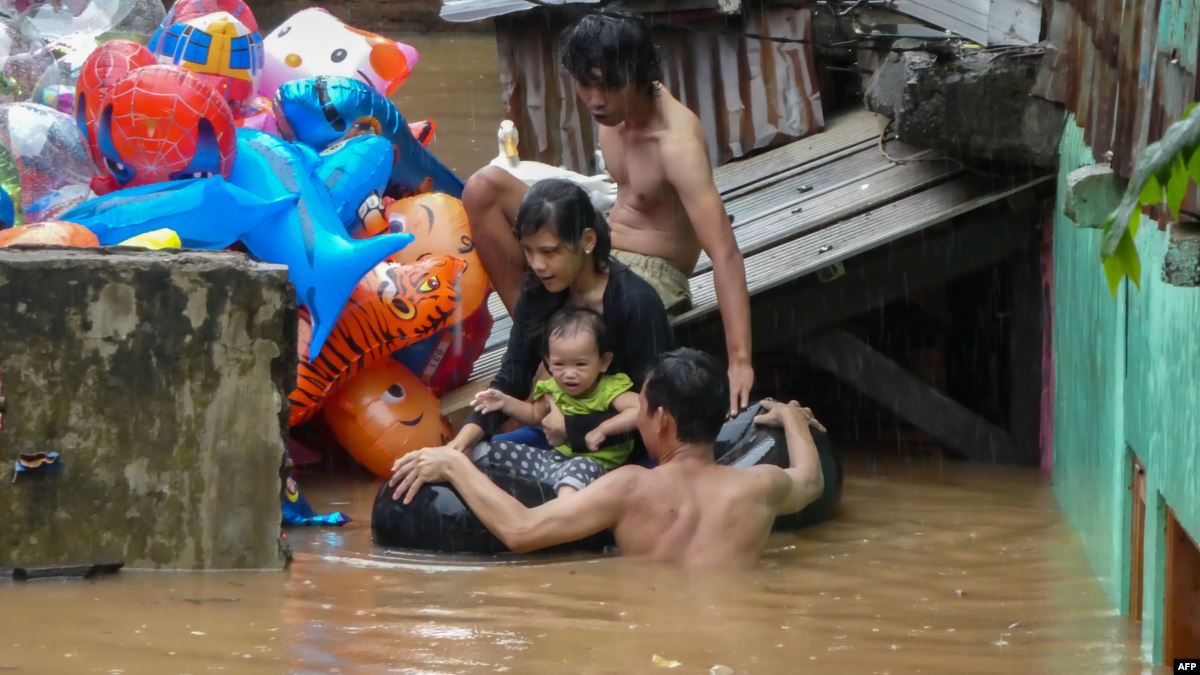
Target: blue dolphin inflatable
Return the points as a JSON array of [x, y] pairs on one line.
[[353, 174], [320, 110], [277, 203]]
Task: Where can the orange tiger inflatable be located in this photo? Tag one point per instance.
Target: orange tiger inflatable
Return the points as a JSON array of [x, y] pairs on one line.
[[438, 224], [393, 306]]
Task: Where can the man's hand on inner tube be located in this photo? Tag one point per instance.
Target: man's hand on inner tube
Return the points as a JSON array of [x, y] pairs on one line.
[[431, 465], [776, 412]]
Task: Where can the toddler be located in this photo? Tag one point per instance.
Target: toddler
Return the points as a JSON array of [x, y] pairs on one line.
[[577, 356]]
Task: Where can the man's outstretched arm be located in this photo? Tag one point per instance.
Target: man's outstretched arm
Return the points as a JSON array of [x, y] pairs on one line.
[[688, 171], [803, 481], [567, 518]]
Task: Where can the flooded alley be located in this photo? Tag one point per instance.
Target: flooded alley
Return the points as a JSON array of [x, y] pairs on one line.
[[919, 230], [932, 567]]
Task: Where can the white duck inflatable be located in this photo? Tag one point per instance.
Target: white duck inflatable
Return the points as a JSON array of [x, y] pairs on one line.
[[601, 188]]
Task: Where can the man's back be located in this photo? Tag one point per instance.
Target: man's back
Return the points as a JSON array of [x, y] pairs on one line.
[[694, 512]]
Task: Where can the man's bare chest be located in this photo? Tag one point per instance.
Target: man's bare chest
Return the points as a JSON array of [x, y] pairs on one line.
[[639, 174]]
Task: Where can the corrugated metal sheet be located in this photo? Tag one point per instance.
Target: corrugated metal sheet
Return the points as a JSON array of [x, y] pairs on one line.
[[748, 94], [968, 18], [460, 11], [987, 22], [1015, 22]]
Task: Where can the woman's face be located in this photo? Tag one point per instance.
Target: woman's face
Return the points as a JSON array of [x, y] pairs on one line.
[[555, 262]]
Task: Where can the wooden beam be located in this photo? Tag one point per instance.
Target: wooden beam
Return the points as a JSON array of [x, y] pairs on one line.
[[891, 386]]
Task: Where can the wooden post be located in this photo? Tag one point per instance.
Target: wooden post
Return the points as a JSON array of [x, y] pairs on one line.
[[1181, 610]]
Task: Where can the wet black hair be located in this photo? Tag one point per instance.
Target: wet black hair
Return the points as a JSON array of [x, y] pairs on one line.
[[571, 320], [619, 43], [694, 388], [565, 206]]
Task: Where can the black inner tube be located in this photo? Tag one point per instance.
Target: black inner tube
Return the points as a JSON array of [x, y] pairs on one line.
[[438, 518]]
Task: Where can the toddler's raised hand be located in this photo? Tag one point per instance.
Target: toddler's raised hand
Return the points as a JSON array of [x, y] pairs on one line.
[[488, 400]]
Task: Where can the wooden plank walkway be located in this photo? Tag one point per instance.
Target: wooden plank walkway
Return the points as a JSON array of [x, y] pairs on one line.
[[805, 206]]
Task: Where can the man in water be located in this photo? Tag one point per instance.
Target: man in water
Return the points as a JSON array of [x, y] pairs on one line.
[[688, 510], [667, 207]]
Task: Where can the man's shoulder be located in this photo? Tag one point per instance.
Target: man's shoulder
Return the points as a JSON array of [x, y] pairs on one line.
[[683, 125], [767, 481], [626, 477]]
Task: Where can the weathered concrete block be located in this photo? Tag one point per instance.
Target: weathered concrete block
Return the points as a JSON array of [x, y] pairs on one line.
[[978, 106], [161, 378], [1181, 264], [886, 88], [1093, 192]]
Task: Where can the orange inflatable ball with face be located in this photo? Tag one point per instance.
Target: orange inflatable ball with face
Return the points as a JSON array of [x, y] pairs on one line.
[[49, 233], [383, 413], [438, 224]]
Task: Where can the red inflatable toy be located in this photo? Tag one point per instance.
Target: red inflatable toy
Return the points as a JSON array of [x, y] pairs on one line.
[[101, 71], [161, 123]]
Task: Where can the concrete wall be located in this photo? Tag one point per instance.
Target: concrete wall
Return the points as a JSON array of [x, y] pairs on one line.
[[1126, 380], [161, 378]]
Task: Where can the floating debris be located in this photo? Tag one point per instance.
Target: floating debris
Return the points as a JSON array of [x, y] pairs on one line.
[[665, 663]]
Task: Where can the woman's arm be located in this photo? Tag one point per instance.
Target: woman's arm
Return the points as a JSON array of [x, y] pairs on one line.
[[467, 437], [515, 377], [624, 421]]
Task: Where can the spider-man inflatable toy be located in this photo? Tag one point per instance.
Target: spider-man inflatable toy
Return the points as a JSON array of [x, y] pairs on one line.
[[101, 71], [161, 123]]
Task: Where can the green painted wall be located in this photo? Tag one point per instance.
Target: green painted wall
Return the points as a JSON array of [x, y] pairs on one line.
[[1127, 378], [1162, 410], [1089, 362]]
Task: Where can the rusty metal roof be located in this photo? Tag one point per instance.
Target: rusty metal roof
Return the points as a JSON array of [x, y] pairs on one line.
[[1126, 68], [749, 95]]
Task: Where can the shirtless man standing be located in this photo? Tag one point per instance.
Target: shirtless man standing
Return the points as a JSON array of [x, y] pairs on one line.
[[688, 510], [667, 207]]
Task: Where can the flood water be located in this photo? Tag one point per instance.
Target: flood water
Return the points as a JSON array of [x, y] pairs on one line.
[[456, 85], [932, 567]]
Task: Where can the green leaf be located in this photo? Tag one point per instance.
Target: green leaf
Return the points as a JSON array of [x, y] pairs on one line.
[[1188, 110], [1177, 186], [1125, 262], [1193, 165], [1151, 194], [1159, 164]]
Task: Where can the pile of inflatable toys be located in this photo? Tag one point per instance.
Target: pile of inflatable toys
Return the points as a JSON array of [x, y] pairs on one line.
[[122, 124]]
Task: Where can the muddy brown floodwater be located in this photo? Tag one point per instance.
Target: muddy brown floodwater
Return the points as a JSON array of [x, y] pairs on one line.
[[932, 567], [456, 85]]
